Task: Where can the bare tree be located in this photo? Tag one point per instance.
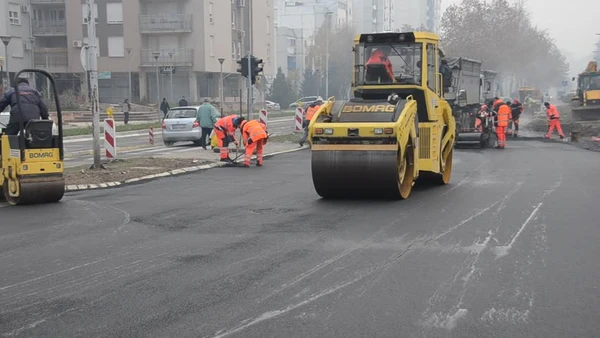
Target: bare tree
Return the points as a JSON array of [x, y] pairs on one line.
[[500, 34]]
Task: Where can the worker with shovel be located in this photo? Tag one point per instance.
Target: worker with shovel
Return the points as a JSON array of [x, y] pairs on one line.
[[225, 131], [255, 137]]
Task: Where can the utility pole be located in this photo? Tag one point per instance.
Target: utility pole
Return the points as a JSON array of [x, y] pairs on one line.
[[250, 99], [93, 58], [328, 16], [172, 69], [129, 67], [156, 55], [6, 40], [221, 89]]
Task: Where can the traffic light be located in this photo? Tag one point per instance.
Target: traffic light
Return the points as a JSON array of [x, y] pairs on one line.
[[243, 66], [257, 66]]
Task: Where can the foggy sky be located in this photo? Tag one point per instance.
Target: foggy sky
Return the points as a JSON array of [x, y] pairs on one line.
[[573, 24]]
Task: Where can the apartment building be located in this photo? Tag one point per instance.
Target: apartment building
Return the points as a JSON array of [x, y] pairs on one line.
[[374, 15], [15, 28], [291, 52], [181, 40], [417, 13]]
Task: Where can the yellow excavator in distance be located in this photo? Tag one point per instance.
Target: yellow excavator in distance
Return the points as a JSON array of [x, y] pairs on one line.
[[587, 100], [394, 130], [32, 167]]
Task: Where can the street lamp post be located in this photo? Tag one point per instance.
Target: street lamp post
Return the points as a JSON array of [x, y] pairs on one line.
[[32, 40], [221, 60], [328, 14], [156, 55], [129, 68], [6, 40], [172, 67]]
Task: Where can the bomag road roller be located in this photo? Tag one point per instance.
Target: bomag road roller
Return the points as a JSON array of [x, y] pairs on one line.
[[588, 94], [32, 161], [395, 129]]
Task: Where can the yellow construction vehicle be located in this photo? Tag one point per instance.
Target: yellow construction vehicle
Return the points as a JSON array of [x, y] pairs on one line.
[[395, 129], [531, 99], [588, 94], [32, 162]]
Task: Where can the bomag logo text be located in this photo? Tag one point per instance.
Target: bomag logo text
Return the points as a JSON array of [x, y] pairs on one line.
[[41, 155], [376, 108]]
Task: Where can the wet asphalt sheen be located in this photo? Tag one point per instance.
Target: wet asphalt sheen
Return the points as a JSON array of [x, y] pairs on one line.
[[509, 249]]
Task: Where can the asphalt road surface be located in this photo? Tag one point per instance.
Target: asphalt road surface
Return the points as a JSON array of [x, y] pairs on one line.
[[79, 151], [508, 249]]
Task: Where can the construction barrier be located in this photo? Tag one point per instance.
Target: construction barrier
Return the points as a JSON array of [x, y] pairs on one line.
[[262, 117], [110, 139], [298, 120], [151, 135]]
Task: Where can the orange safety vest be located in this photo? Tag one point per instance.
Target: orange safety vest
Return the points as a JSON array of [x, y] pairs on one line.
[[310, 112], [253, 130], [504, 114], [226, 124], [378, 58], [552, 112]]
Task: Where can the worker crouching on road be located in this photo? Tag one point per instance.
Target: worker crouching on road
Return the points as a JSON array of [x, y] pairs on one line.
[[481, 115], [225, 131], [553, 120], [504, 115], [310, 112], [255, 137]]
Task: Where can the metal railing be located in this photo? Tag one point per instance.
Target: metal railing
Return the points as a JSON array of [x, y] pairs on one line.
[[181, 57], [51, 58], [166, 23], [49, 27]]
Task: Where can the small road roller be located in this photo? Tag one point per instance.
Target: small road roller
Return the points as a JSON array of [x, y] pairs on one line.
[[395, 129], [32, 162]]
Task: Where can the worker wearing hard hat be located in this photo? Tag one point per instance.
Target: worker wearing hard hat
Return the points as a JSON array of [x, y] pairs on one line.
[[504, 115], [553, 116]]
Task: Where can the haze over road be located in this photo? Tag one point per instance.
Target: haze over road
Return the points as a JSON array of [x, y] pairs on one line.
[[508, 249]]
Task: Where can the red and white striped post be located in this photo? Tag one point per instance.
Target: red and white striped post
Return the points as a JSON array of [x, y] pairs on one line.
[[262, 117], [151, 135], [298, 120], [110, 139]]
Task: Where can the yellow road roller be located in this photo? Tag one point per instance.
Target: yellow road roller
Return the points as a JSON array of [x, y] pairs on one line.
[[396, 128], [32, 161]]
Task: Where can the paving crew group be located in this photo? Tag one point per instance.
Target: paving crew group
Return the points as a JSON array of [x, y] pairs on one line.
[[254, 135], [506, 112]]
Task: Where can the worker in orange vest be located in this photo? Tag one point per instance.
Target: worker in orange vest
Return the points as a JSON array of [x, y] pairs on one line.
[[225, 130], [553, 120], [504, 115], [308, 115], [255, 137], [379, 57]]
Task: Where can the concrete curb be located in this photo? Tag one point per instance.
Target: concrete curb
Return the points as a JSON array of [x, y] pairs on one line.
[[175, 172]]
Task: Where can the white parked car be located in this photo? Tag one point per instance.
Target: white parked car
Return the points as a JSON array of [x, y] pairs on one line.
[[272, 105]]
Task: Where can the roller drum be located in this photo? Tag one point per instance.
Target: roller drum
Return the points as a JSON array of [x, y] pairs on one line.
[[339, 174], [469, 139], [37, 190]]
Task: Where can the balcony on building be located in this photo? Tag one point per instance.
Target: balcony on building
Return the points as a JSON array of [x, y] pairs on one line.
[[166, 23], [179, 57], [49, 27], [54, 60], [47, 2]]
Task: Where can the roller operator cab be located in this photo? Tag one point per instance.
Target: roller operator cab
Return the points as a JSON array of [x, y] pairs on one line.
[[397, 127], [31, 169]]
